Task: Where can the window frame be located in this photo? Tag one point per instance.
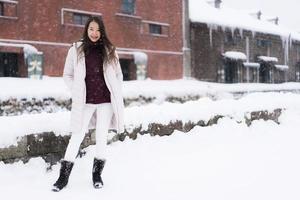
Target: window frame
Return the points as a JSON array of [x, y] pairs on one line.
[[2, 9], [128, 7], [155, 27], [11, 6], [263, 43], [82, 18], [232, 39], [164, 32], [78, 12]]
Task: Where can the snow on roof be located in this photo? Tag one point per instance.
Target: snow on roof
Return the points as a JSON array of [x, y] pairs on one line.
[[251, 64], [27, 48], [201, 11], [9, 1], [282, 67], [268, 59], [235, 55], [140, 58]]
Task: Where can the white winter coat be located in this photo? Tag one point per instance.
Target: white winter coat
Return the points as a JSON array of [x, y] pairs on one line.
[[74, 77]]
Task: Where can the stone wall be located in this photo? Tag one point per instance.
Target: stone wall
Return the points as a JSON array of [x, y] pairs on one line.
[[51, 147]]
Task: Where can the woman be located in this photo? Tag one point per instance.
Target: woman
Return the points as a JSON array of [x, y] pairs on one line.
[[93, 74]]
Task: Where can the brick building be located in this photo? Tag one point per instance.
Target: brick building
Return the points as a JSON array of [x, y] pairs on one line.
[[232, 46], [147, 33]]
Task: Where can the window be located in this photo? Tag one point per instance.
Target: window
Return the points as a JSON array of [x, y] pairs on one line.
[[155, 29], [1, 9], [128, 7], [8, 9], [228, 38], [80, 19], [232, 39], [263, 43], [298, 52], [74, 17]]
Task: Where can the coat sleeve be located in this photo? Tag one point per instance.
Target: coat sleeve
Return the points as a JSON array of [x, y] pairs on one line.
[[68, 74], [119, 73]]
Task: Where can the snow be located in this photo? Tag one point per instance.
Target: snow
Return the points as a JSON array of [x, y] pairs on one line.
[[251, 64], [30, 88], [157, 112], [201, 11], [282, 67], [193, 111], [54, 87], [228, 161], [235, 55], [14, 127], [9, 1], [28, 49], [140, 58], [285, 10], [268, 59]]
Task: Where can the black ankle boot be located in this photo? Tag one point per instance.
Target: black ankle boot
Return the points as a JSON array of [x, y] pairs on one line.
[[97, 170], [65, 171]]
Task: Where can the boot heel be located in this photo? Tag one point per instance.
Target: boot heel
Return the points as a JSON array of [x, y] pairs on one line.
[[97, 171], [64, 174]]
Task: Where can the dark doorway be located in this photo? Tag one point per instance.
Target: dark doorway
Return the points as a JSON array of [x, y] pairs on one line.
[[231, 71], [264, 72], [298, 71], [9, 65], [128, 69]]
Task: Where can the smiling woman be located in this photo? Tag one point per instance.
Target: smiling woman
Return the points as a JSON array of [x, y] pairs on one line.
[[93, 74], [94, 32]]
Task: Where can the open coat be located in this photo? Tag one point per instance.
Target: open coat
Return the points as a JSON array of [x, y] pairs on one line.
[[74, 77]]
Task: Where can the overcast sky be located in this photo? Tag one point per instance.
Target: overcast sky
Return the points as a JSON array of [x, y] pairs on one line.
[[288, 11]]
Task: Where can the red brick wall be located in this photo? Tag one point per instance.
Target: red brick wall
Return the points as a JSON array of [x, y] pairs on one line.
[[160, 70], [40, 20]]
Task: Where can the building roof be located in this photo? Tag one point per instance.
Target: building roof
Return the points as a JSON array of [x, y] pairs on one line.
[[201, 11]]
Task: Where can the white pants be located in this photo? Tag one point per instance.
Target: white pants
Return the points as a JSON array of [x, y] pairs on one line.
[[104, 115]]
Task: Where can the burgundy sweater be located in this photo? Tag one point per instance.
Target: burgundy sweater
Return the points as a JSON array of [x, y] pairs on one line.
[[96, 89]]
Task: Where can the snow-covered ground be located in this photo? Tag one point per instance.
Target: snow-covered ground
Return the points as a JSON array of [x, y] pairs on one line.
[[228, 160], [55, 87], [225, 161]]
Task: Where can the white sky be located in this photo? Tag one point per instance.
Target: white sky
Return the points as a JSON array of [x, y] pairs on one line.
[[286, 10]]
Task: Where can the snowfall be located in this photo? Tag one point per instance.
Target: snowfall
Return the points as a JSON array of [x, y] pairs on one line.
[[228, 160]]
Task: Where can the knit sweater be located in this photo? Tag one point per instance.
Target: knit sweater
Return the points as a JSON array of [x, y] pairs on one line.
[[96, 89]]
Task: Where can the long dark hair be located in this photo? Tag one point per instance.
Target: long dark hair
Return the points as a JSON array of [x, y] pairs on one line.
[[108, 49]]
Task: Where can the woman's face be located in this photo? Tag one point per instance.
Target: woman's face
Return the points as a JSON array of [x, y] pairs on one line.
[[94, 32]]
